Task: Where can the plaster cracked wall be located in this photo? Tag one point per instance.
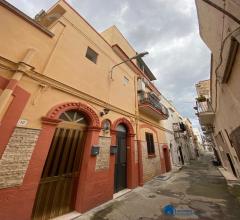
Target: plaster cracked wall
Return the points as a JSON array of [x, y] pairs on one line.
[[16, 157], [102, 161]]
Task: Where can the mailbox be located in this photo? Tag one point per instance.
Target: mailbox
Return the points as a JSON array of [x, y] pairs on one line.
[[113, 149], [95, 150]]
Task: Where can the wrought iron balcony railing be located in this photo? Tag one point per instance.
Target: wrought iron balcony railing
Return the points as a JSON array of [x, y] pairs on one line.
[[204, 106], [205, 112], [151, 100]]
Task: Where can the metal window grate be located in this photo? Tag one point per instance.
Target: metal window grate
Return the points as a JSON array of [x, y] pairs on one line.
[[91, 55]]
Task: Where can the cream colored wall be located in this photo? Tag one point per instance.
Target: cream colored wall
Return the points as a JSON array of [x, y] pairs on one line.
[[228, 111], [62, 57], [227, 104], [61, 60], [43, 99], [17, 36], [114, 36], [71, 66], [203, 88], [151, 166]]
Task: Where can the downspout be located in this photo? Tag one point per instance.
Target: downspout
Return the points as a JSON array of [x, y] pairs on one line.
[[139, 145], [6, 94]]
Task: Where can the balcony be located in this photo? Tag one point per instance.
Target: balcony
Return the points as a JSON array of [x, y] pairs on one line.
[[150, 105], [179, 127], [205, 112]]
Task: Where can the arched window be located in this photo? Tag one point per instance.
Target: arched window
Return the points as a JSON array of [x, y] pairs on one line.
[[73, 116], [121, 128], [106, 125]]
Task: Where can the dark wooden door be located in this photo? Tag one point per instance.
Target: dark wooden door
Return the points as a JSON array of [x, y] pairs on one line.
[[120, 180], [57, 188], [167, 159], [181, 155]]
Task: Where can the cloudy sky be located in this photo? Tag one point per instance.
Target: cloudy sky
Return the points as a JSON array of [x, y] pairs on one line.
[[168, 29]]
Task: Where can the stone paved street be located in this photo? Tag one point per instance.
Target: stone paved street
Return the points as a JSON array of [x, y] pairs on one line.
[[197, 191]]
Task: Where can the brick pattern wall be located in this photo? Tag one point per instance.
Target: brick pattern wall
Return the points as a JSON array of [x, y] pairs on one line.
[[15, 159], [102, 161], [151, 166]]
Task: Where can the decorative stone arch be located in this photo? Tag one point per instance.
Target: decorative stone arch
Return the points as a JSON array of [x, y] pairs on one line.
[[49, 124], [57, 110], [126, 123], [107, 119]]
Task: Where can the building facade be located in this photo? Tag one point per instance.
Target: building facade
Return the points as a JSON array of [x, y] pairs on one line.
[[74, 130], [179, 140], [219, 113]]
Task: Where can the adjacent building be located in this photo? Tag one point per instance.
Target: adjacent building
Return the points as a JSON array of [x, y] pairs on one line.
[[179, 140], [219, 112]]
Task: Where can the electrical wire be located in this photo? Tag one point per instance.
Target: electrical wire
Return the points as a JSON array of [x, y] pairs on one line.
[[222, 47]]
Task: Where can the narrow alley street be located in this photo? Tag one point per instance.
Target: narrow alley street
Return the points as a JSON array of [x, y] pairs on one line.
[[197, 191]]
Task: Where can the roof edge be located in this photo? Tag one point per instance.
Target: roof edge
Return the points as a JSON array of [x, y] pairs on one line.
[[25, 17]]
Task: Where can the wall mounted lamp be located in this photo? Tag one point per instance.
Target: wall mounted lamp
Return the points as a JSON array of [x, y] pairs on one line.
[[139, 55], [104, 112]]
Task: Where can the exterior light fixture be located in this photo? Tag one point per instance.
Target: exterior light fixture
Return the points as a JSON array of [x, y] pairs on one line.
[[104, 112], [139, 55]]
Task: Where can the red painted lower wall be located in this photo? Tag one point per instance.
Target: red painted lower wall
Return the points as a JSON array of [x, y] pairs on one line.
[[12, 114], [94, 187]]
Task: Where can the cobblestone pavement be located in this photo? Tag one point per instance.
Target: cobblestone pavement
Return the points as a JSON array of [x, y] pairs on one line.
[[197, 191]]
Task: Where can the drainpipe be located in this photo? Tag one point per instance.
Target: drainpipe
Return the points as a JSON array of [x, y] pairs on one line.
[[138, 136], [8, 91]]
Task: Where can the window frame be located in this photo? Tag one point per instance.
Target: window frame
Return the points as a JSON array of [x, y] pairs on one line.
[[90, 53], [150, 143]]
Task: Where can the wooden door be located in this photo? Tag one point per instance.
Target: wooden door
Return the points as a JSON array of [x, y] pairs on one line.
[[167, 159], [120, 180], [181, 155], [57, 188]]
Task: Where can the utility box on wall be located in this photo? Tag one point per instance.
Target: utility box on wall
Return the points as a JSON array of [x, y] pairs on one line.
[[113, 149], [95, 150]]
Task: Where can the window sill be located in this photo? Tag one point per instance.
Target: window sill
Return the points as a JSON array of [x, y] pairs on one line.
[[151, 155]]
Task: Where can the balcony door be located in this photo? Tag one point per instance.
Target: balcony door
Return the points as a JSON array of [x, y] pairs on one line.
[[120, 178]]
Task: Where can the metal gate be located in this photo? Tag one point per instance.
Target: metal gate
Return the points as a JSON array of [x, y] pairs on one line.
[[57, 188], [120, 179]]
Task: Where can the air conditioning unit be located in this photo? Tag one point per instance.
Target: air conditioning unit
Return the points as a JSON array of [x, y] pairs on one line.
[[141, 86]]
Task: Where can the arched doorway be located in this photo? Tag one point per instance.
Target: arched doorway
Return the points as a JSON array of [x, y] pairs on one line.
[[57, 188], [120, 174]]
